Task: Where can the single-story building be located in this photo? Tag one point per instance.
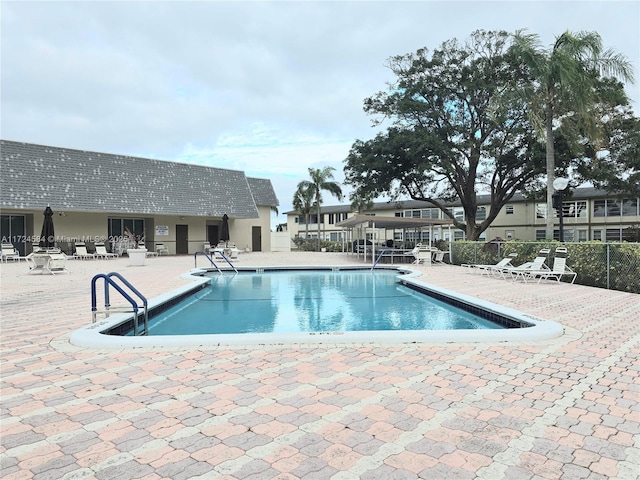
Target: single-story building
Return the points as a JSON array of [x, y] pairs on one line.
[[95, 196]]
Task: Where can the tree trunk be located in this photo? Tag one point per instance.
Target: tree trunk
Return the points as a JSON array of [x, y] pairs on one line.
[[551, 164]]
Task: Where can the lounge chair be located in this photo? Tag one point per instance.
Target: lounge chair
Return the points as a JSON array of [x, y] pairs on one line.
[[101, 252], [9, 252], [438, 257], [559, 269], [51, 260], [232, 250], [57, 263], [537, 265], [150, 253], [488, 269], [81, 252], [219, 249], [161, 249]]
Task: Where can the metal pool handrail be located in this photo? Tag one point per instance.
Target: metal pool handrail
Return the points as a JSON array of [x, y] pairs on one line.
[[382, 252], [202, 252], [109, 281]]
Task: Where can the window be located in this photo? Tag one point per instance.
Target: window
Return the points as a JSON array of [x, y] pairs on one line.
[[433, 213], [631, 206], [458, 214], [614, 234], [509, 209], [574, 209], [582, 235], [599, 208], [597, 234], [568, 234], [481, 213], [116, 226], [336, 217], [614, 207], [541, 234], [541, 211]]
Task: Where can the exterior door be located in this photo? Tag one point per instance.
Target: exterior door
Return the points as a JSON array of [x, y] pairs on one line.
[[182, 239], [213, 235], [256, 239], [13, 231]]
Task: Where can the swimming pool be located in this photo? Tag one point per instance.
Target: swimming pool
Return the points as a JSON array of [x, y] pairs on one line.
[[311, 301], [301, 313]]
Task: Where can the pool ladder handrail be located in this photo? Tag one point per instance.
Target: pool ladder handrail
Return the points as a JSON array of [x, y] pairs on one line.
[[208, 256], [382, 252], [108, 281]]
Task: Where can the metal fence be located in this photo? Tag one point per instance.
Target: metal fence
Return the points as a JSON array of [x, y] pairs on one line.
[[614, 266]]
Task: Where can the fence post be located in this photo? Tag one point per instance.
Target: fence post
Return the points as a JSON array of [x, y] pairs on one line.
[[608, 264]]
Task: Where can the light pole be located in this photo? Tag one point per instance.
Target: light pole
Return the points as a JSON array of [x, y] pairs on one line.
[[559, 185]]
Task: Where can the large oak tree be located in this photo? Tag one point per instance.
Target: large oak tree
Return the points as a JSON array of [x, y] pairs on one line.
[[454, 132]]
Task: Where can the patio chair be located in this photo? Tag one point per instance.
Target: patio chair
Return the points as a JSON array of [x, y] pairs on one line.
[[422, 254], [558, 270], [9, 252], [488, 269], [57, 263], [219, 249], [81, 252], [161, 249], [438, 257], [101, 252], [537, 265]]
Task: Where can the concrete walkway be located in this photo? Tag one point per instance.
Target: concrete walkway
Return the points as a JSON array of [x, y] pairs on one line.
[[567, 408]]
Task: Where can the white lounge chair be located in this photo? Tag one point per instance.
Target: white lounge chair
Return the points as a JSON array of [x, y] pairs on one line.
[[9, 252], [51, 260], [81, 252], [438, 257], [101, 252], [487, 269], [232, 250], [161, 249], [219, 249], [57, 263], [558, 270], [537, 265]]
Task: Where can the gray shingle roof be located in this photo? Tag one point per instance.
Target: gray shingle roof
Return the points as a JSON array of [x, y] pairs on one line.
[[263, 192], [36, 175]]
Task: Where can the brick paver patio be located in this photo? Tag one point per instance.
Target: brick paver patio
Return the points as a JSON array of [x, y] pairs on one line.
[[567, 408]]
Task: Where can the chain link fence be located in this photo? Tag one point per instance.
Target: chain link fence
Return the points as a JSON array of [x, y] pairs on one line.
[[614, 266]]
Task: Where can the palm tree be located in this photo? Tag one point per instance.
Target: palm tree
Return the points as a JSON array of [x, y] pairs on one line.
[[321, 179], [303, 203], [564, 84], [360, 203]]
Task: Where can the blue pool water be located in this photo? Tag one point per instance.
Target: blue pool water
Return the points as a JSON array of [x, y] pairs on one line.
[[310, 301]]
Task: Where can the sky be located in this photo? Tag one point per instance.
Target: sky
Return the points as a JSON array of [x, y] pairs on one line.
[[271, 88]]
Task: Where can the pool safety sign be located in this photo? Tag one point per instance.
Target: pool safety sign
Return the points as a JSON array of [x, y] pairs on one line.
[[162, 230]]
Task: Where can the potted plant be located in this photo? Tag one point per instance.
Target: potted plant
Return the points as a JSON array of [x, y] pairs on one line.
[[137, 255]]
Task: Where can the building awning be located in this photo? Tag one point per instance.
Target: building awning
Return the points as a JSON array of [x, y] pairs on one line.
[[389, 223]]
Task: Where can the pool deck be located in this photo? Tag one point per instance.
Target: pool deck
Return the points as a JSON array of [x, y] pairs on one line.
[[566, 408]]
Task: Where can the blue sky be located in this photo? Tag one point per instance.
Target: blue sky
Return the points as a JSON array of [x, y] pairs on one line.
[[270, 88]]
